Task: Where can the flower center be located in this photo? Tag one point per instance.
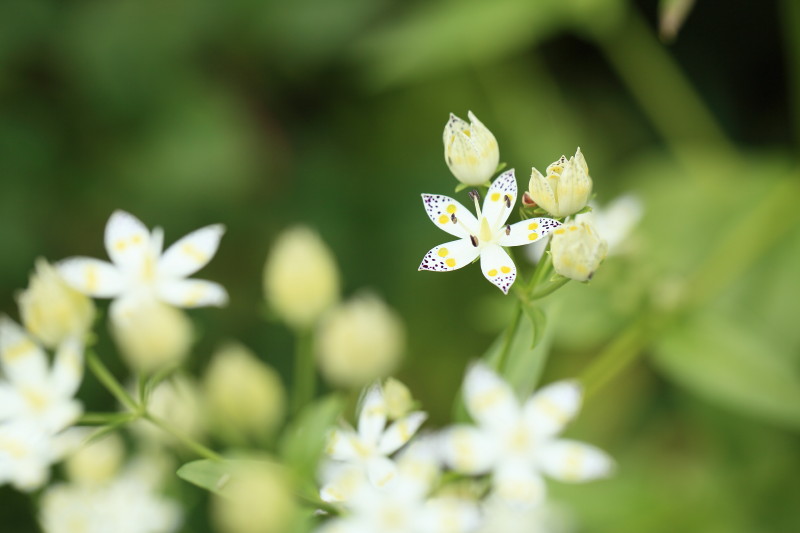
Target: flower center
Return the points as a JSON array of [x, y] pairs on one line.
[[485, 234]]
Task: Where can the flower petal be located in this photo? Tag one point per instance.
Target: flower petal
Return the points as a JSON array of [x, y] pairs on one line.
[[192, 252], [449, 515], [568, 460], [68, 367], [340, 481], [541, 192], [381, 471], [343, 445], [23, 360], [192, 293], [127, 240], [516, 483], [92, 276], [468, 450], [528, 231], [552, 407], [489, 399], [498, 267], [400, 432], [449, 256], [442, 210], [500, 199], [372, 417]]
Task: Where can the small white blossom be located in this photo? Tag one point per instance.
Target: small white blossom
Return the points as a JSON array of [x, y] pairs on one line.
[[567, 187], [485, 235], [517, 443], [470, 150], [577, 251], [616, 221], [139, 268], [364, 454]]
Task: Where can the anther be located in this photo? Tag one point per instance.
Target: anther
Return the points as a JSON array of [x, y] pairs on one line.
[[507, 198], [453, 218], [475, 195], [508, 229], [474, 240]]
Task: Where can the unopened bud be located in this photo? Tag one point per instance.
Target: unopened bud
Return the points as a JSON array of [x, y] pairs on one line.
[[577, 251], [470, 150]]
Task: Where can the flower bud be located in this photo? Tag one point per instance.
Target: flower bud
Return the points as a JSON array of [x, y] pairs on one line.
[[97, 462], [359, 342], [398, 399], [470, 150], [151, 335], [257, 498], [577, 251], [179, 403], [52, 310], [244, 395], [567, 187], [301, 280]]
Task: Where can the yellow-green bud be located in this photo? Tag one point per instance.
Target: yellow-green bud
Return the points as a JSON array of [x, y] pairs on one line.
[[398, 399], [97, 462], [470, 150], [359, 341], [245, 396], [566, 189], [179, 403], [577, 250], [51, 310], [301, 280], [150, 335]]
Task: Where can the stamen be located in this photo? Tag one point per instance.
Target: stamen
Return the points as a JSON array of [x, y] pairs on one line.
[[507, 199], [476, 197], [474, 240], [453, 218], [508, 229]]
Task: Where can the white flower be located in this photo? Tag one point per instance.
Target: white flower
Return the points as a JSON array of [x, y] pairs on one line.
[[365, 453], [138, 267], [483, 236], [470, 150], [567, 187], [26, 452], [127, 504], [577, 251], [517, 443], [403, 506], [501, 517]]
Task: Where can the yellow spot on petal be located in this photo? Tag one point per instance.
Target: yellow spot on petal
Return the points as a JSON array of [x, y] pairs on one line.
[[120, 245], [194, 253], [91, 278], [495, 196], [505, 269], [467, 133], [451, 262], [136, 239], [533, 236], [533, 225], [444, 219], [20, 349], [443, 252], [492, 273], [451, 209], [560, 231], [573, 228]]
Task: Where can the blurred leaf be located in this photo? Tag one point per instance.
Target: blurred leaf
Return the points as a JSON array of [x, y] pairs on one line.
[[304, 439], [726, 363], [672, 15], [207, 474], [538, 322]]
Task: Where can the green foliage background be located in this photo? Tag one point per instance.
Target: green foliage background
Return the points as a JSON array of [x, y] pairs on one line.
[[261, 114]]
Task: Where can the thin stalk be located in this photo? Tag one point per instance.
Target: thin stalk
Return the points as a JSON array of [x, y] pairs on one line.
[[196, 447], [549, 288], [305, 378], [108, 380], [502, 360]]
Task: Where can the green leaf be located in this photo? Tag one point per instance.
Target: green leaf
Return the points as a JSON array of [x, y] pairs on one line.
[[304, 439], [538, 322], [726, 363], [207, 474]]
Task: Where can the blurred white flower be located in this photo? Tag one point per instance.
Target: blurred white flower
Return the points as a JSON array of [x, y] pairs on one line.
[[301, 280], [501, 517], [483, 236], [96, 462], [517, 443], [27, 450], [577, 251], [139, 268], [470, 150], [567, 187], [52, 310], [398, 398], [364, 454], [177, 401], [129, 503], [404, 506], [359, 341]]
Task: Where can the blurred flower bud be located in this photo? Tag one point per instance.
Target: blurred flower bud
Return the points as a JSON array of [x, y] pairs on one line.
[[151, 335], [577, 251], [470, 150], [97, 462], [244, 395], [566, 188], [257, 498], [398, 399], [300, 277], [51, 310], [179, 403], [359, 342]]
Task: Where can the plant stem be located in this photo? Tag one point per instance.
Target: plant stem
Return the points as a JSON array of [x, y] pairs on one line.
[[502, 360], [550, 288], [304, 373], [196, 447], [108, 380]]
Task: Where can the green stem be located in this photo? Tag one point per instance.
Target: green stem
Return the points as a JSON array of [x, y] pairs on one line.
[[108, 380], [542, 269], [549, 288], [502, 360], [305, 377], [97, 419], [190, 443]]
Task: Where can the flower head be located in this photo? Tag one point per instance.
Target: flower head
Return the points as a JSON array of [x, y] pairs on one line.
[[577, 251], [566, 188], [485, 235], [470, 150], [138, 267], [517, 443]]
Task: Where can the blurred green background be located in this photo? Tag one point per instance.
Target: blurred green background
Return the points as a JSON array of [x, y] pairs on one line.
[[261, 114]]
